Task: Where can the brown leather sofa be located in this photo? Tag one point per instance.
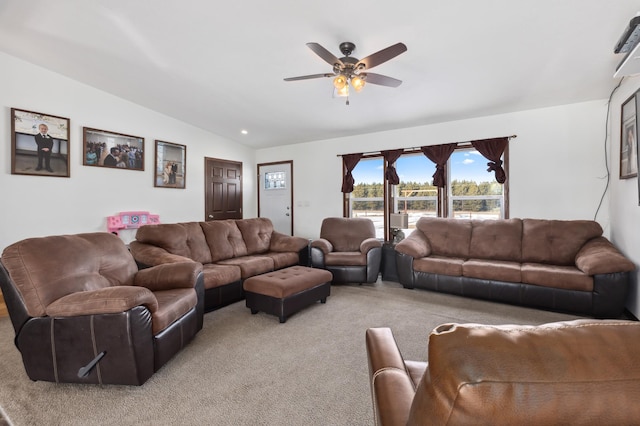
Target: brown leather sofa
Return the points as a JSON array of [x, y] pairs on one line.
[[348, 248], [83, 313], [229, 250], [552, 264], [584, 372]]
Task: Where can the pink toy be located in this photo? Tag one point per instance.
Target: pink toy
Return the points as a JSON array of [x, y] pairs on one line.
[[130, 220]]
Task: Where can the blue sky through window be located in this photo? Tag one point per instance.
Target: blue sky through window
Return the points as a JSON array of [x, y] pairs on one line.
[[467, 165]]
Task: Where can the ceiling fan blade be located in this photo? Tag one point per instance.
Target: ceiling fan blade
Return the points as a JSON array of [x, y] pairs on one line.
[[309, 77], [328, 57], [383, 55], [381, 80]]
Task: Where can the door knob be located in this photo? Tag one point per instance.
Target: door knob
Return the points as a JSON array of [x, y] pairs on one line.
[[210, 216]]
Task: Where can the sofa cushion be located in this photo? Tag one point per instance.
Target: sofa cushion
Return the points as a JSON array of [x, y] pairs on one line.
[[439, 265], [256, 233], [216, 275], [283, 260], [346, 234], [183, 239], [496, 239], [497, 270], [345, 258], [447, 237], [224, 239], [561, 277], [556, 242], [172, 305], [250, 265]]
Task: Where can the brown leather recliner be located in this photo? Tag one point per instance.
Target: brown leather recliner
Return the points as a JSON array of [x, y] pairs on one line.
[[348, 248], [582, 372], [83, 313]]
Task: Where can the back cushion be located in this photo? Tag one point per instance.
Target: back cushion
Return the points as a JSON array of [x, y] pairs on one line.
[[223, 239], [496, 239], [48, 268], [556, 242], [447, 237], [346, 234], [183, 239], [573, 372], [256, 233]]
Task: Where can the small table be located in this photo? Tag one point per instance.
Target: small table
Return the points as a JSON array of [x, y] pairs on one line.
[[286, 291], [389, 269]]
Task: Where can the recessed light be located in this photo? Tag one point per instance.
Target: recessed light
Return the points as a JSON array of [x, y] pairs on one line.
[[244, 132]]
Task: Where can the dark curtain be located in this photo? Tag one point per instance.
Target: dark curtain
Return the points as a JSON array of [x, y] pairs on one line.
[[391, 156], [439, 154], [350, 163], [492, 150]]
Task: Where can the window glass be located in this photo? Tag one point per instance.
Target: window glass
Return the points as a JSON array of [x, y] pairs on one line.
[[367, 198], [473, 192], [415, 195]]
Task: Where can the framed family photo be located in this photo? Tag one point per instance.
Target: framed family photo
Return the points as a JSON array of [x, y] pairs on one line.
[[170, 165], [628, 139], [102, 148], [39, 144]]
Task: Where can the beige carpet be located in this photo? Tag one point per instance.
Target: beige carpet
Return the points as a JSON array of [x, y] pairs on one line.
[[245, 369]]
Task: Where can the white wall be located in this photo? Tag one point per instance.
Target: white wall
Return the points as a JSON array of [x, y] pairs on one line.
[[557, 168], [557, 163], [36, 205], [625, 209]]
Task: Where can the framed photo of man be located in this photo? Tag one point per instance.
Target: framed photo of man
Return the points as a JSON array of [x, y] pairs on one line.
[[628, 136], [171, 165], [39, 144]]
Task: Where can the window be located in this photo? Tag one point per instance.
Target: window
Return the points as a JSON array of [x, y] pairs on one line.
[[415, 195], [473, 192], [367, 198]]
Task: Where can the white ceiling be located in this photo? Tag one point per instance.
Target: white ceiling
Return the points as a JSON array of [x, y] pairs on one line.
[[220, 65]]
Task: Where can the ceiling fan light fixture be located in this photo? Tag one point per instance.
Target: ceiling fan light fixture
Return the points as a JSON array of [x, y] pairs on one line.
[[340, 82], [357, 83], [343, 92]]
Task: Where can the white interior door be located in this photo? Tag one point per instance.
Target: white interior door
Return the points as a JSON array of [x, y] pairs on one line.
[[275, 195]]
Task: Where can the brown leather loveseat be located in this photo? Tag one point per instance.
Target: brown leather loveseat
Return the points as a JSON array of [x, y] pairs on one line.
[[230, 251], [564, 265], [583, 372], [83, 313]]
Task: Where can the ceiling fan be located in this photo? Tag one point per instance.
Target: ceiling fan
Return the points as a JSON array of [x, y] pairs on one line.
[[352, 70]]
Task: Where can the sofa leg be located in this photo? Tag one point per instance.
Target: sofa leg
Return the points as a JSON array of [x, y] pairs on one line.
[[283, 319], [324, 300], [254, 311]]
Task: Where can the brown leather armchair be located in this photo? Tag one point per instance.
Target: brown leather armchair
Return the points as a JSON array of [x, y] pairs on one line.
[[83, 313], [582, 372], [348, 248]]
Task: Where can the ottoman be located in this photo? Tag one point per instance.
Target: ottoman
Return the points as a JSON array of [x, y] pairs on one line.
[[287, 290]]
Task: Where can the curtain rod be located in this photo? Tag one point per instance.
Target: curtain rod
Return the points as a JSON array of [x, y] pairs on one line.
[[417, 148]]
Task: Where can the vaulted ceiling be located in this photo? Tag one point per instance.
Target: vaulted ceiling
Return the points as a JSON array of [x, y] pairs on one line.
[[220, 65]]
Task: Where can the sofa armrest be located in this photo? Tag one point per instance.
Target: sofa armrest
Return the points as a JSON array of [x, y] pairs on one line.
[[369, 244], [415, 245], [322, 244], [599, 256], [392, 388], [108, 300], [150, 255], [286, 243], [169, 276]]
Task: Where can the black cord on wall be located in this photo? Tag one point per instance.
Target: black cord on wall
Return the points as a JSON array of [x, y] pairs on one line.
[[606, 155]]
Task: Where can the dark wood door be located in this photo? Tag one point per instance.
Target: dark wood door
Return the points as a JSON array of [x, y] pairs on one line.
[[223, 189]]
